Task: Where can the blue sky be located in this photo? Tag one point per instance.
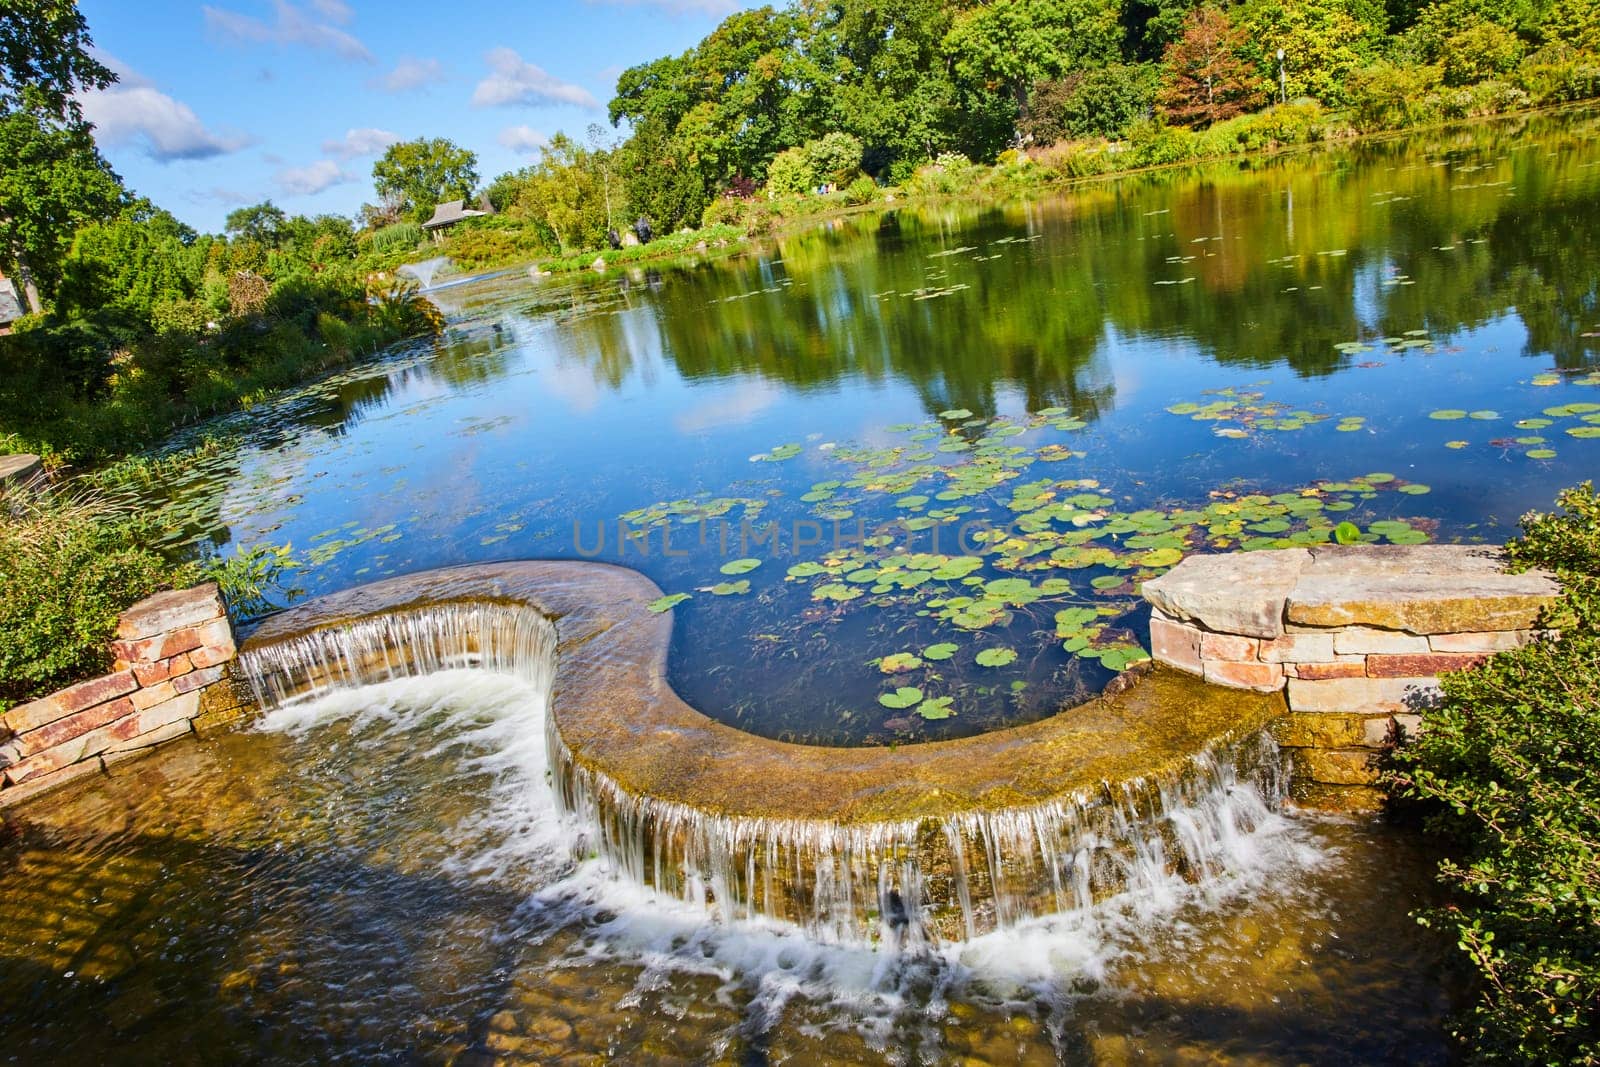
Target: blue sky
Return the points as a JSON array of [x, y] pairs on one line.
[[232, 102]]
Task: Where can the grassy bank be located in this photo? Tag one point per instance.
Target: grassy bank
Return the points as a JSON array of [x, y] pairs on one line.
[[85, 390]]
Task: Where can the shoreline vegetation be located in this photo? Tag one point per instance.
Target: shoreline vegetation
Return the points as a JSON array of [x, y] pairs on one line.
[[1033, 171]]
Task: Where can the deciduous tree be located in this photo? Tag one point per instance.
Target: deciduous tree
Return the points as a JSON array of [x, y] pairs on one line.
[[1207, 78], [419, 175]]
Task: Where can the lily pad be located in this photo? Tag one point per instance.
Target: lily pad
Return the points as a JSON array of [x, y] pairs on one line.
[[936, 708], [996, 657], [903, 697], [899, 663], [943, 650], [1447, 414], [667, 603], [956, 413], [1346, 533], [740, 566], [738, 588]]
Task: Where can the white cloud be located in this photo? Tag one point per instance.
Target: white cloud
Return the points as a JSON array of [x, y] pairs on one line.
[[523, 139], [513, 80], [681, 7], [290, 26], [333, 10], [410, 73], [311, 178], [134, 111], [366, 141]]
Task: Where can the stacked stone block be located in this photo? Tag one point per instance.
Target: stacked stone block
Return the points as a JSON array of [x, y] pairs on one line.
[[170, 648], [1357, 636]]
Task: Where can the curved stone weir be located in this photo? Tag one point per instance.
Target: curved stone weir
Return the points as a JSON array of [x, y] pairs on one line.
[[943, 840]]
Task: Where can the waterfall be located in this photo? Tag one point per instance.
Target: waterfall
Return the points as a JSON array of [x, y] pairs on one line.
[[907, 883]]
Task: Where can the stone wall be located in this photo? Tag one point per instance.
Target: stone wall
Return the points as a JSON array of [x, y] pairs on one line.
[[1358, 637], [172, 651]]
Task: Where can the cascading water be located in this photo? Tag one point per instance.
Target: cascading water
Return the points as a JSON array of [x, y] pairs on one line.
[[905, 883]]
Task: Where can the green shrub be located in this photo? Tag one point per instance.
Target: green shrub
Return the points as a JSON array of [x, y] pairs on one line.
[[835, 158], [949, 174], [1102, 102], [790, 173], [70, 563], [724, 211], [1511, 759], [1153, 143], [1385, 95], [1558, 74], [861, 191], [400, 236], [1478, 52]]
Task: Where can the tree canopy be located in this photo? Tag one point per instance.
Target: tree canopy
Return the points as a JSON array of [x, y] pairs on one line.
[[416, 176]]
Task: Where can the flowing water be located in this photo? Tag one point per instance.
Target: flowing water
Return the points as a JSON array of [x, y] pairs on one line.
[[387, 873]]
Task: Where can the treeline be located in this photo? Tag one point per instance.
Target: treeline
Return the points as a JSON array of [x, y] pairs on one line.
[[136, 323], [820, 93]]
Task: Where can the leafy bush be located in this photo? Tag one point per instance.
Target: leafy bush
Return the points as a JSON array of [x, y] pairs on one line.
[[1511, 758], [835, 158], [790, 173], [1385, 95], [1102, 102], [1154, 144], [950, 173], [1479, 51], [861, 191], [70, 563]]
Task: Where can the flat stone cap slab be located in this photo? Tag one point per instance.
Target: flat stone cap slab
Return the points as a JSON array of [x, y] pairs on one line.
[[171, 610], [1418, 589], [1232, 593], [1434, 589]]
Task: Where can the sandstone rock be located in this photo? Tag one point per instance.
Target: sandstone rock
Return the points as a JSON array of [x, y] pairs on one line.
[[172, 610], [135, 747], [44, 783], [165, 646], [1414, 666], [1262, 677], [151, 673], [1237, 593], [1421, 603], [1229, 647], [73, 726], [1389, 695], [1298, 648], [67, 701], [1360, 641], [1340, 560], [1351, 799], [1175, 644], [1343, 667], [1494, 641]]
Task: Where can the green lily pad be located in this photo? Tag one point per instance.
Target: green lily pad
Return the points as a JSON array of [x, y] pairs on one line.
[[807, 570], [1583, 431], [1346, 533], [956, 413], [903, 697], [667, 603], [1485, 415], [740, 566], [738, 588], [995, 657], [1447, 414], [1456, 444], [943, 650], [1415, 489], [1541, 453], [835, 591], [936, 708]]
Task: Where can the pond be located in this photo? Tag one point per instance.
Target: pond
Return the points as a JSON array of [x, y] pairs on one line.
[[902, 473]]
